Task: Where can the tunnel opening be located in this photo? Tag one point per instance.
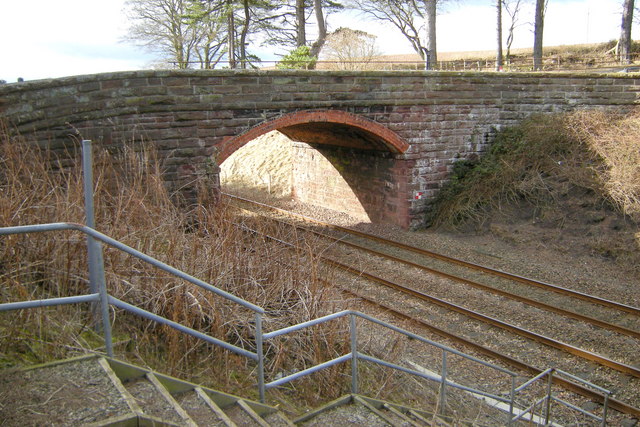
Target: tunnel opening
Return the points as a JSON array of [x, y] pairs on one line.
[[332, 160]]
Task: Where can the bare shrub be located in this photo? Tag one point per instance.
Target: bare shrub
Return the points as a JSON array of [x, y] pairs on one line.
[[348, 49], [532, 162], [211, 242], [616, 140]]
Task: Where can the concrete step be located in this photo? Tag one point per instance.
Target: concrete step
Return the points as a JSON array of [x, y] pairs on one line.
[[75, 392], [356, 410], [95, 391], [154, 403], [186, 404], [198, 409]]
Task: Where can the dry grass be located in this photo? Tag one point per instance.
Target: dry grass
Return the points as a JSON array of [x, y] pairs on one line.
[[563, 57], [616, 140], [521, 164], [577, 172], [133, 206]]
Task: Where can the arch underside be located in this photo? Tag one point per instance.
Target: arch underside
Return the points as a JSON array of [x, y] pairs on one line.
[[335, 134], [328, 127], [346, 163]]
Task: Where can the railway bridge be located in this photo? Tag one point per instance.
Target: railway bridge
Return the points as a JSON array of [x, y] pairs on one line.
[[390, 137]]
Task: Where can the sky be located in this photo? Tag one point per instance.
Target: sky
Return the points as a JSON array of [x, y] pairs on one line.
[[56, 38]]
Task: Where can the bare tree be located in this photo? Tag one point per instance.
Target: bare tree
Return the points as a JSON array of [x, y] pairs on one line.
[[289, 19], [512, 7], [322, 28], [301, 34], [625, 32], [160, 26], [285, 25], [538, 27], [231, 34], [431, 54], [349, 49], [204, 19], [407, 16], [186, 30], [499, 35]]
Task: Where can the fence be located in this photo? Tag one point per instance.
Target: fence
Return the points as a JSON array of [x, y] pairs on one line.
[[99, 297], [514, 64]]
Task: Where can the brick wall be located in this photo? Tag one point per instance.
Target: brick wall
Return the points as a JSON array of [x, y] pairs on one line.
[[194, 116], [365, 184]]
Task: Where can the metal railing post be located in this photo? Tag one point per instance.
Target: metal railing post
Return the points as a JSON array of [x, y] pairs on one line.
[[547, 408], [354, 354], [443, 385], [87, 174], [94, 249], [605, 408], [512, 399], [106, 320], [260, 353]]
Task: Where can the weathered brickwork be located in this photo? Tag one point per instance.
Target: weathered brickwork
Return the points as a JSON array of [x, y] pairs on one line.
[[333, 176], [428, 120]]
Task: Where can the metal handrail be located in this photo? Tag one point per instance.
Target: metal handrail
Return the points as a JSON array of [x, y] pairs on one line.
[[548, 398], [100, 296], [258, 356], [355, 356], [9, 306], [95, 297], [22, 229]]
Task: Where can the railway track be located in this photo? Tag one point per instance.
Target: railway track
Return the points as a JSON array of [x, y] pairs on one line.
[[623, 315], [618, 405]]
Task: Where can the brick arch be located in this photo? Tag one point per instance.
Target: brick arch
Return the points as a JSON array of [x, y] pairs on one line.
[[385, 138]]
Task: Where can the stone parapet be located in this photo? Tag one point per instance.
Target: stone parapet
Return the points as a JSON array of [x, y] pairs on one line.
[[197, 115]]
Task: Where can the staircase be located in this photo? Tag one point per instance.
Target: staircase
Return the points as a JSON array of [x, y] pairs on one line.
[[97, 391], [357, 410]]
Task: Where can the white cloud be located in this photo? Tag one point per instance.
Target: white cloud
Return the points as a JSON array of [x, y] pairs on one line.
[[55, 38], [44, 38], [470, 25]]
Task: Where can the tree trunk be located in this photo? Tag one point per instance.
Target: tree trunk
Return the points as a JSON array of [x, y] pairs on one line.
[[243, 35], [231, 35], [301, 35], [499, 35], [537, 34], [432, 54], [322, 29], [625, 32]]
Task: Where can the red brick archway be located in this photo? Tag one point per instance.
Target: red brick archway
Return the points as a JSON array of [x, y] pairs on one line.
[[315, 124]]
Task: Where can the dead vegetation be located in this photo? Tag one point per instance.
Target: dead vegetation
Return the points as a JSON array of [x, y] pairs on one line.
[[213, 244], [581, 57], [575, 175]]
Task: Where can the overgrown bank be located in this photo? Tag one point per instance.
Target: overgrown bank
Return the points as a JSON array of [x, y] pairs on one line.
[[571, 179]]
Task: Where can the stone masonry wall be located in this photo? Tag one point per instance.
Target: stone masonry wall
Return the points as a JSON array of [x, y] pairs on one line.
[[192, 115], [334, 176]]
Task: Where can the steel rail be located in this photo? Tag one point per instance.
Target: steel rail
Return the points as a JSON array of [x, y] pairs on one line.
[[568, 313], [486, 288], [568, 348], [576, 351], [616, 404], [425, 252], [491, 289]]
